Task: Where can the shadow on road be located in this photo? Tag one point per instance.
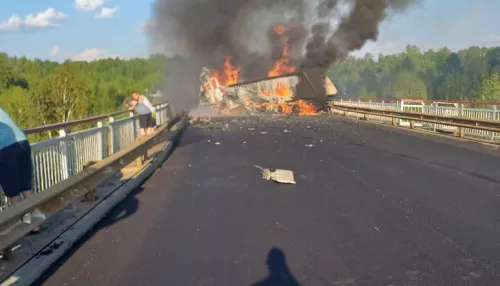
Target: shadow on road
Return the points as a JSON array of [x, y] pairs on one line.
[[279, 273], [125, 209]]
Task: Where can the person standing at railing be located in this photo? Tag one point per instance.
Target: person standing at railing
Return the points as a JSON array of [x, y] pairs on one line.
[[145, 116], [16, 170], [144, 100]]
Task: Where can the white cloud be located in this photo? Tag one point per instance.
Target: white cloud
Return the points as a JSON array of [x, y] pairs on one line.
[[94, 54], [494, 38], [55, 51], [106, 13], [45, 19], [89, 5]]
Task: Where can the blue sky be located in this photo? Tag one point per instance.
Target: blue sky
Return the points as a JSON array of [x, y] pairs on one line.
[[91, 29]]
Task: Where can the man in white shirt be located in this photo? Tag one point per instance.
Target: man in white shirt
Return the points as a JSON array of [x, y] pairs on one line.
[[151, 123]]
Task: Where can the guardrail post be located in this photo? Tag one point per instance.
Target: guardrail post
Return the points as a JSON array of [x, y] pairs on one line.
[[494, 117], [64, 155], [434, 110], [101, 142], [462, 109], [134, 126], [170, 115], [461, 132], [111, 135], [382, 107], [159, 115], [412, 124], [394, 121]]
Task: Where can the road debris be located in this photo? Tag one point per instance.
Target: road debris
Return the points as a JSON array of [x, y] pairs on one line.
[[279, 175]]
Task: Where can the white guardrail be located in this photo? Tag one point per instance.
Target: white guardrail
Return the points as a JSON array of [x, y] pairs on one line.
[[56, 159], [435, 108]]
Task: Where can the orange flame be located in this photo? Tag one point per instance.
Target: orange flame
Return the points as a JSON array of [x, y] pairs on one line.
[[282, 65], [305, 108], [279, 29], [300, 107], [281, 90], [230, 73]]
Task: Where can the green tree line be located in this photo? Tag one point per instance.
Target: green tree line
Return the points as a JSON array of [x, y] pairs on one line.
[[37, 92], [471, 74]]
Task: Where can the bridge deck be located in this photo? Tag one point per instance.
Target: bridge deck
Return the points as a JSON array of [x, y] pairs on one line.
[[372, 206]]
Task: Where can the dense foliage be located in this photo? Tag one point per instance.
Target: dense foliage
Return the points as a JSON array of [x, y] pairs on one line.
[[469, 74], [37, 92]]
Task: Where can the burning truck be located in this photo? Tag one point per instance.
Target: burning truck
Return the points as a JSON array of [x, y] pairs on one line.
[[284, 90], [297, 93]]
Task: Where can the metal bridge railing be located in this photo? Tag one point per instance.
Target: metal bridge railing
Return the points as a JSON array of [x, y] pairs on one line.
[[56, 159], [433, 108]]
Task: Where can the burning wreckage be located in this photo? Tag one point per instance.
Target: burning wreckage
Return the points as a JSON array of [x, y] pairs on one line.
[[303, 93], [284, 91]]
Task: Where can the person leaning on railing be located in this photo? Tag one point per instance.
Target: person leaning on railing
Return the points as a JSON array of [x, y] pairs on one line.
[[140, 105], [16, 170], [144, 100]]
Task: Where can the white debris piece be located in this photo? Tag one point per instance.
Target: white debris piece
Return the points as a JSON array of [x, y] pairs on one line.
[[280, 176]]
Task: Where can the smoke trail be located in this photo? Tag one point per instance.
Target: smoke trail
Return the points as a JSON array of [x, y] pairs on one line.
[[205, 31], [360, 25]]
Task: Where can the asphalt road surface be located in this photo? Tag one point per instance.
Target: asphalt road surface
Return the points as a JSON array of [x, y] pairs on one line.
[[372, 205]]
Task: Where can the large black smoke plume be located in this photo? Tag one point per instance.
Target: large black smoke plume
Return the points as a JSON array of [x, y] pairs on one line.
[[206, 31]]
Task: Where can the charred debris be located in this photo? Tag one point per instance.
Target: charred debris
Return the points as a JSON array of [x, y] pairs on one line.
[[297, 93]]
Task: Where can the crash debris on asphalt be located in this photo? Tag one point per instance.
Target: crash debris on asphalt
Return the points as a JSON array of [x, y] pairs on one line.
[[279, 175]]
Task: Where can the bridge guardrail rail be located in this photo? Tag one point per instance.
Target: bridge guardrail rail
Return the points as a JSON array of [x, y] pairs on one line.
[[459, 111], [60, 195], [56, 159], [462, 124]]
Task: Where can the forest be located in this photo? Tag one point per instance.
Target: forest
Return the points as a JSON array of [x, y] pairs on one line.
[[37, 92], [470, 74]]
